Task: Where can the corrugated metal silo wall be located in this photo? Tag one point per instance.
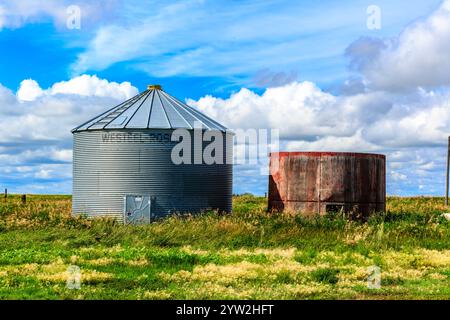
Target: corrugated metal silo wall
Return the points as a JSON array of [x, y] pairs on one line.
[[110, 164], [317, 182]]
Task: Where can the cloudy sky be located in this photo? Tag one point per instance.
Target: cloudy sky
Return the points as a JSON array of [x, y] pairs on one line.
[[322, 73]]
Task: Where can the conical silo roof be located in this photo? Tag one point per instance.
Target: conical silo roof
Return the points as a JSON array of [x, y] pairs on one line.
[[151, 109]]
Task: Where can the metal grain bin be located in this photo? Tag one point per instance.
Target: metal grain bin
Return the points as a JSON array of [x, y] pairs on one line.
[[321, 182], [122, 165]]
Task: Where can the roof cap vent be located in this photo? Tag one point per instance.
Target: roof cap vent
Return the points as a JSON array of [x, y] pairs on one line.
[[154, 87]]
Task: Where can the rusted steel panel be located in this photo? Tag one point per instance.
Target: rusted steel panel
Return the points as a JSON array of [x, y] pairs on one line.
[[308, 208], [317, 182], [278, 179], [302, 174]]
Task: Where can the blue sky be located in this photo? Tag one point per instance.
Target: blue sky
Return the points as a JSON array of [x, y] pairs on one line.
[[314, 35], [304, 58]]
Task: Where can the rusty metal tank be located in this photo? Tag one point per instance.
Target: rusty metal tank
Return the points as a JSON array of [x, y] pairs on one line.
[[320, 182]]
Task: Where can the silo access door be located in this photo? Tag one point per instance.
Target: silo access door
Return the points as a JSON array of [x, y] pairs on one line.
[[137, 209]]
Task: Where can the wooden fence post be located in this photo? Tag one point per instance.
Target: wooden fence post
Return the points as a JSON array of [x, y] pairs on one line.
[[447, 178]]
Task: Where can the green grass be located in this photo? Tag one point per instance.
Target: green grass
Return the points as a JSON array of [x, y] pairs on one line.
[[249, 254]]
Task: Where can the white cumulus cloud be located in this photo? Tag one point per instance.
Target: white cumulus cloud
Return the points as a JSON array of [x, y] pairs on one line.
[[418, 57], [411, 129], [84, 85], [29, 90], [35, 124]]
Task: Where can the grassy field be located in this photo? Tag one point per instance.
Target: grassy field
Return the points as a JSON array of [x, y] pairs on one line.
[[250, 254]]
